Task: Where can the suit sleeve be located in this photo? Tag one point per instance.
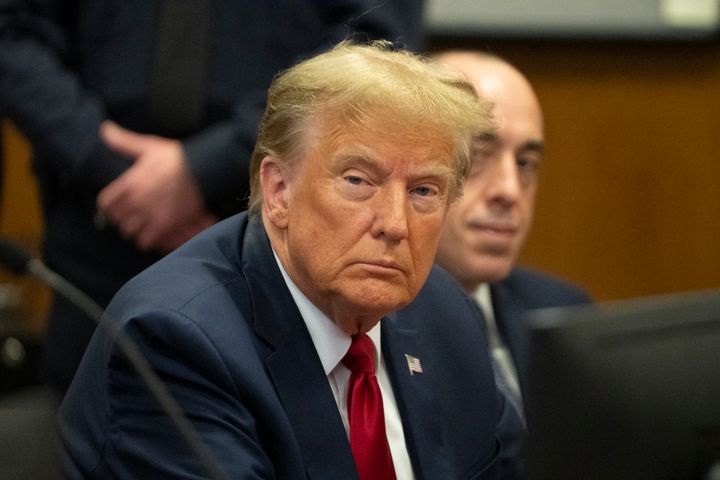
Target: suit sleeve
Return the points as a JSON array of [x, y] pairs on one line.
[[142, 442], [46, 99]]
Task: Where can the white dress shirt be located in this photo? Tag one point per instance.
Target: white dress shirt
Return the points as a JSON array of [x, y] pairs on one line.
[[332, 344]]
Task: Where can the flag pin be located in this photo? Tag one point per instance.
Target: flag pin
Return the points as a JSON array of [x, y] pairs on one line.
[[413, 364]]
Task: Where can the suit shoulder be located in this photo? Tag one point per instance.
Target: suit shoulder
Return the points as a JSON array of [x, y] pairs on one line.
[[440, 284], [442, 295], [540, 289], [204, 264]]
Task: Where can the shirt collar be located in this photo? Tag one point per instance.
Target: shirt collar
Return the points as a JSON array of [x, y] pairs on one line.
[[484, 301], [331, 343]]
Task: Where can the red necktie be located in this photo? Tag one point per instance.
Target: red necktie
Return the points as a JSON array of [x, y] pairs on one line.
[[365, 412]]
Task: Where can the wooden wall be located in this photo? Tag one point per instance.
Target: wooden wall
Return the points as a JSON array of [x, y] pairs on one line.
[[629, 199], [20, 220]]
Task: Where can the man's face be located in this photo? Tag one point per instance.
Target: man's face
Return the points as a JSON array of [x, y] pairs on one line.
[[364, 220], [486, 229]]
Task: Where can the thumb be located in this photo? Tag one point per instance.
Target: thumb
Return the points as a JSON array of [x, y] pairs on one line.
[[122, 140]]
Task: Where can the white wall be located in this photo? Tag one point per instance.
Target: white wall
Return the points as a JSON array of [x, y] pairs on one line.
[[589, 18]]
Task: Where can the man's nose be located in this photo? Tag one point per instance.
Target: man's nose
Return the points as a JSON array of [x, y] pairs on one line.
[[391, 216], [504, 180]]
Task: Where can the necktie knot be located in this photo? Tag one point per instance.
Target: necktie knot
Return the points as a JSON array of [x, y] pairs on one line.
[[360, 358]]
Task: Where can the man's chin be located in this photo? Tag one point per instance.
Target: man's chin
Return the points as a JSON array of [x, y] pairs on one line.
[[490, 268], [381, 298]]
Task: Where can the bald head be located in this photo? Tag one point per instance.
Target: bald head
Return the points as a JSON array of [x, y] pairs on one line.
[[494, 79], [486, 229]]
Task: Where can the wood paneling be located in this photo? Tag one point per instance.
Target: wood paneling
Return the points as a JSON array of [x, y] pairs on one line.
[[629, 199], [20, 220]]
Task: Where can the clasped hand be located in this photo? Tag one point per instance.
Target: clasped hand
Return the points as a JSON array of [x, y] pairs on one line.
[[156, 202]]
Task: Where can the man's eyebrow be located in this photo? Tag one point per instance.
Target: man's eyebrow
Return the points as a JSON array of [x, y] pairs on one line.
[[486, 137], [481, 142], [439, 170], [534, 146], [359, 159]]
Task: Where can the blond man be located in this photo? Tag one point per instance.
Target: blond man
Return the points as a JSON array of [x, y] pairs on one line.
[[312, 337]]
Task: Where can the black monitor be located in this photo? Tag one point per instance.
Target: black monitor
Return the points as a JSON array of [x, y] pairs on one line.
[[625, 390]]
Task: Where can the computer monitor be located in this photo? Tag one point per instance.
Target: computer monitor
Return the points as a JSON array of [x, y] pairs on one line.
[[627, 390]]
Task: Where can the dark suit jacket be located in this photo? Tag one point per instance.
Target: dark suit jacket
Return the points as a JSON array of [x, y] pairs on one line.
[[219, 325], [522, 291], [67, 65]]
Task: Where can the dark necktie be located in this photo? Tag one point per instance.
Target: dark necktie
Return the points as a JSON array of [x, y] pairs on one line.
[[178, 75], [365, 412]]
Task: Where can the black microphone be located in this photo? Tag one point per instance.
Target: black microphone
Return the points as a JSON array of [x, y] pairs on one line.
[[21, 262]]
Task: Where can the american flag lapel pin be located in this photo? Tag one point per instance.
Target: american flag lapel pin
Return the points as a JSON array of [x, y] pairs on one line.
[[413, 364]]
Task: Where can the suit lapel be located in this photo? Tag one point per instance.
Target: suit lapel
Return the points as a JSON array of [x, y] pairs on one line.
[[294, 366], [310, 406], [413, 393]]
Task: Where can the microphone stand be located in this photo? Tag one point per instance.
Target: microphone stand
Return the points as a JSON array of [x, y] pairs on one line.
[[87, 305]]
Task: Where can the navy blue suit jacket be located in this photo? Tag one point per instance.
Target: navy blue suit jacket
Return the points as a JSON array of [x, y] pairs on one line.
[[524, 290], [219, 325]]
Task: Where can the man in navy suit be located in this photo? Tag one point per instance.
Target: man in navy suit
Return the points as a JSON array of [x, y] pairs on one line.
[[486, 229], [250, 324]]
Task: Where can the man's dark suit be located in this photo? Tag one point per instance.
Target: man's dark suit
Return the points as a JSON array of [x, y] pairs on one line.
[[66, 66], [217, 321], [524, 290]]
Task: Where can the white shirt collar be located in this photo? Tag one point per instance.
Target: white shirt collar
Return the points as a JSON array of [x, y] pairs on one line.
[[484, 301], [330, 341]]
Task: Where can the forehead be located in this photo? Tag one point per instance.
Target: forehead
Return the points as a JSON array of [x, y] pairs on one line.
[[519, 113], [381, 138], [515, 105]]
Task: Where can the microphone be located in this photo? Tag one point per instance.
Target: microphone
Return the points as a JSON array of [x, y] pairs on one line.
[[20, 262]]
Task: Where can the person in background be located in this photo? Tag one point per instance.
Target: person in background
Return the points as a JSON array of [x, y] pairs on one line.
[[142, 117], [312, 337], [486, 229]]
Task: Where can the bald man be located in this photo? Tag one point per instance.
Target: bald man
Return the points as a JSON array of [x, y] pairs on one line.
[[485, 230]]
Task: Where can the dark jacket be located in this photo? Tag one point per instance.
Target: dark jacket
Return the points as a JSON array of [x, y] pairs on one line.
[[219, 325]]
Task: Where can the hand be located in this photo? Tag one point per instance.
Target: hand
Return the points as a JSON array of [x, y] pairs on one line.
[[156, 202]]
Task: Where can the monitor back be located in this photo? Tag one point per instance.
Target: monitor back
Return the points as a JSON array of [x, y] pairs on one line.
[[628, 390]]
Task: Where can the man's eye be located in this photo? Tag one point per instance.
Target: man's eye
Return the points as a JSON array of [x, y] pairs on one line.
[[354, 180], [424, 191], [528, 164]]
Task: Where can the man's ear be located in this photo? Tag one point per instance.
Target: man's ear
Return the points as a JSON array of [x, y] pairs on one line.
[[274, 179]]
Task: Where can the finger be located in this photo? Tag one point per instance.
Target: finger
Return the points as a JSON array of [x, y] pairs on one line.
[[171, 243], [151, 238], [195, 226], [200, 224], [131, 226], [167, 241], [114, 201], [122, 140]]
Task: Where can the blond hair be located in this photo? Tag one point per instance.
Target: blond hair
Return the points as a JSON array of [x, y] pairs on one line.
[[360, 85]]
